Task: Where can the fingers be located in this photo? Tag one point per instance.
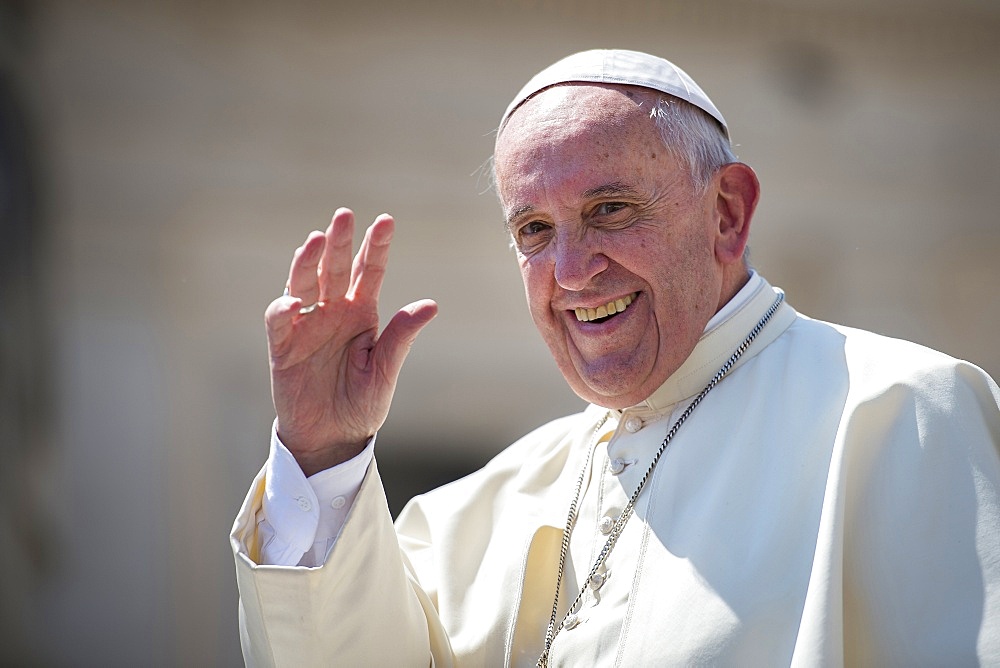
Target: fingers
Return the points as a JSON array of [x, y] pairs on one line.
[[322, 269], [368, 270], [395, 342], [335, 262], [303, 280], [278, 320]]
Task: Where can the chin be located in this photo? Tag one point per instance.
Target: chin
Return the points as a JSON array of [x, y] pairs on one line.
[[612, 383], [607, 395]]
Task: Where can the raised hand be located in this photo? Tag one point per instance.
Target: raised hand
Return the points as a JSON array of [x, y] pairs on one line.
[[332, 374]]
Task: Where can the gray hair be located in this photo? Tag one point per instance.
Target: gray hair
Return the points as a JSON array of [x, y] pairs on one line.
[[689, 134], [697, 140], [693, 137]]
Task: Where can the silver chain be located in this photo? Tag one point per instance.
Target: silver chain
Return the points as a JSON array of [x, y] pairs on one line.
[[553, 629]]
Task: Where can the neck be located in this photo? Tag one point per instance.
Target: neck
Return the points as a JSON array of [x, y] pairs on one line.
[[732, 282]]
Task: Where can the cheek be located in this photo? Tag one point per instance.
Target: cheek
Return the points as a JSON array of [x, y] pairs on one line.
[[537, 287], [530, 279], [531, 274]]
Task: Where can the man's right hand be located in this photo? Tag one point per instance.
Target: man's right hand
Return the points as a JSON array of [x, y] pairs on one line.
[[332, 374]]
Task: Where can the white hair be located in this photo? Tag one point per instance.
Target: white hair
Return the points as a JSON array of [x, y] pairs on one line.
[[693, 137], [697, 140], [689, 134]]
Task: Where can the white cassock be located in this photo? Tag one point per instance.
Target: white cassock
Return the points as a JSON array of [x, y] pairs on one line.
[[834, 500]]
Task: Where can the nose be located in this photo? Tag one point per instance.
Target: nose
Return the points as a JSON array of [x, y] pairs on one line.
[[577, 261]]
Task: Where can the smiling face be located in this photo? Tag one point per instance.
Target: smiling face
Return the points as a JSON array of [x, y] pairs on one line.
[[624, 261]]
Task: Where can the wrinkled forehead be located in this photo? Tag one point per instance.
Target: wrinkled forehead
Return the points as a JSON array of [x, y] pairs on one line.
[[616, 67], [577, 137], [576, 107]]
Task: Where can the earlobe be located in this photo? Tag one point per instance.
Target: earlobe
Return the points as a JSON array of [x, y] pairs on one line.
[[738, 191]]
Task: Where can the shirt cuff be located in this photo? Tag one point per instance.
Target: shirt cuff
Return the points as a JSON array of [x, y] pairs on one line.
[[302, 515], [335, 490]]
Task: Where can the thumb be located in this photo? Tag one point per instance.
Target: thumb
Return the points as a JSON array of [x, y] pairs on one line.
[[399, 335]]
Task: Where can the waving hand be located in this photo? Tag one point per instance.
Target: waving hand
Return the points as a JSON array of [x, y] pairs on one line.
[[332, 374]]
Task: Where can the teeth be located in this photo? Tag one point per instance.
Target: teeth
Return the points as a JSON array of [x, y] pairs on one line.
[[612, 307]]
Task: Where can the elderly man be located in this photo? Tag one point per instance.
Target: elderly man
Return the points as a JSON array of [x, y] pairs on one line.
[[747, 487]]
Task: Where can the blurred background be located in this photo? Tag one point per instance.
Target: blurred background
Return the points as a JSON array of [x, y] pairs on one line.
[[160, 161]]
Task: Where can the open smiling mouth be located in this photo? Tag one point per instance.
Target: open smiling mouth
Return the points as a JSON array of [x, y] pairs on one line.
[[602, 313]]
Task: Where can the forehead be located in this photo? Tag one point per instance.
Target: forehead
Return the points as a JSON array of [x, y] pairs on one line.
[[568, 109], [578, 132]]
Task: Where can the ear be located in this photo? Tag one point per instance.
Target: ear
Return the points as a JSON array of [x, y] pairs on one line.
[[737, 194]]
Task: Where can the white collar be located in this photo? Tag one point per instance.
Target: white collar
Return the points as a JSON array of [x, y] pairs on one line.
[[719, 341], [738, 300]]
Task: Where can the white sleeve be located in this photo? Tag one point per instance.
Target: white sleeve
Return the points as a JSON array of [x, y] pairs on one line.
[[300, 518]]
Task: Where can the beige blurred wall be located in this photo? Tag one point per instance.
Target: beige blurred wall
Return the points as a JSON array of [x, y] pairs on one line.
[[189, 147]]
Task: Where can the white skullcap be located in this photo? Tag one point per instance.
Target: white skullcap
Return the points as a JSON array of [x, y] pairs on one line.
[[618, 66]]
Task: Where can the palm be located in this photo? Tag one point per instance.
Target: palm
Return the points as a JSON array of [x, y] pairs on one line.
[[332, 374]]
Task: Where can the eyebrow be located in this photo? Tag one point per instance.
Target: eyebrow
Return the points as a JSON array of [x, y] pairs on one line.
[[607, 190], [610, 189], [517, 213]]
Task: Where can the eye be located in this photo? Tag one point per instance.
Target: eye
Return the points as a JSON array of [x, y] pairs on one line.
[[533, 228], [531, 236], [608, 208]]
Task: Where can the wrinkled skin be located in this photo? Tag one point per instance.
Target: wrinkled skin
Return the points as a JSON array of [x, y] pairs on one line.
[[599, 210], [332, 374]]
